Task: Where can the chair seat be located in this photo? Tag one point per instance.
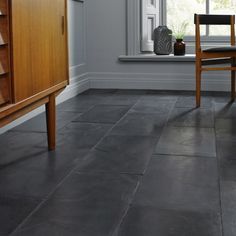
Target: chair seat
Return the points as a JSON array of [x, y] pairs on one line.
[[221, 49]]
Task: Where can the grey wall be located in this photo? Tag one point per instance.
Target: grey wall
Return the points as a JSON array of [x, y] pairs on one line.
[[76, 30], [77, 45], [106, 40]]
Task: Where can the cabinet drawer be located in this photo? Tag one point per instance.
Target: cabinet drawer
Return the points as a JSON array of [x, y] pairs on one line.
[[4, 89], [4, 60]]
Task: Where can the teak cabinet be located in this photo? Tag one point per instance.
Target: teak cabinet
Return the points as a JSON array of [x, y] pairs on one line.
[[33, 58]]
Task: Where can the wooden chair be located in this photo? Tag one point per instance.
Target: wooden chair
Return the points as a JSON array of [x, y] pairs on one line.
[[214, 55]]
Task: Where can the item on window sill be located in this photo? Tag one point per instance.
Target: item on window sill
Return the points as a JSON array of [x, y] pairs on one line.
[[162, 40], [179, 47]]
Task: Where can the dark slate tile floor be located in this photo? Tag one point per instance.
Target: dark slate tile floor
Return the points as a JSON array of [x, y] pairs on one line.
[[127, 162]]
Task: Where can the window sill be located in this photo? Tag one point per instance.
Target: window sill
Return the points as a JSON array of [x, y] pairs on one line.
[[157, 58]]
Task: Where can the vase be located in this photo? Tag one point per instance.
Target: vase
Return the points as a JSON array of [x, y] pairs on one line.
[[179, 47], [162, 37]]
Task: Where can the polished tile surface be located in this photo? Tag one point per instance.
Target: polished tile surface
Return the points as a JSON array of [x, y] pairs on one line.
[[127, 162], [103, 114], [190, 141], [152, 221]]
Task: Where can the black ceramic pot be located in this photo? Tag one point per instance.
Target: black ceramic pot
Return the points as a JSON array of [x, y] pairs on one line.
[[179, 47], [162, 40]]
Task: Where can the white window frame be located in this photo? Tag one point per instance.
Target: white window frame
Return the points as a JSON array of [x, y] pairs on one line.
[[135, 29], [150, 15]]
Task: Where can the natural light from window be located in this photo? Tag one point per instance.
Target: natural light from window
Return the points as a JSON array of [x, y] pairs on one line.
[[182, 10]]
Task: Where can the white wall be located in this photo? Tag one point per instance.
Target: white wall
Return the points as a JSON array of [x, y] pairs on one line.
[[106, 40]]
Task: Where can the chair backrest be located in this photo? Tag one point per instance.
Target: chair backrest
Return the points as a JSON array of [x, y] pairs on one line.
[[214, 19]]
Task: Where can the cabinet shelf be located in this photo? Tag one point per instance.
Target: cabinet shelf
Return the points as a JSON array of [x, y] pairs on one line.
[[4, 88], [4, 31], [3, 7], [3, 72]]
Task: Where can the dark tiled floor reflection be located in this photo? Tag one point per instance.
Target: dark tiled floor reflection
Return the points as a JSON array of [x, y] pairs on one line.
[[128, 162]]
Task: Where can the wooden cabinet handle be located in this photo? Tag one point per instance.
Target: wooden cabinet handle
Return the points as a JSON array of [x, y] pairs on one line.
[[62, 25]]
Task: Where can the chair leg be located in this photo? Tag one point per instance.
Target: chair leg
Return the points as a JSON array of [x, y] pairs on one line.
[[198, 84]]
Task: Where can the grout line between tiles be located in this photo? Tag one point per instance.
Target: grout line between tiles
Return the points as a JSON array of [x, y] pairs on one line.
[[218, 176], [181, 155], [117, 227]]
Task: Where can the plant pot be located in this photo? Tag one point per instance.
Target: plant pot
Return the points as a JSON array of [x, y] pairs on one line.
[[179, 47]]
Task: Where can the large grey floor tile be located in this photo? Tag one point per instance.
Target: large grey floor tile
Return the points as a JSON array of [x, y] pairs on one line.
[[225, 129], [124, 154], [228, 196], [190, 117], [81, 103], [153, 105], [180, 183], [17, 146], [103, 114], [135, 123], [121, 99], [38, 175], [13, 212], [191, 141], [84, 205], [151, 221], [226, 152], [38, 123], [189, 101], [83, 135], [92, 188], [225, 110], [160, 97]]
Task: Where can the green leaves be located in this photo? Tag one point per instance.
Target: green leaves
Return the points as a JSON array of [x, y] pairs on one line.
[[179, 31]]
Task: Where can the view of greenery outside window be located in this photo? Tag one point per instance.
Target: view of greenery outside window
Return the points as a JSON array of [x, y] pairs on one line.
[[182, 10]]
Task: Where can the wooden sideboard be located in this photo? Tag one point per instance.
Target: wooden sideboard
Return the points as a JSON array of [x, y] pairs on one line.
[[33, 58]]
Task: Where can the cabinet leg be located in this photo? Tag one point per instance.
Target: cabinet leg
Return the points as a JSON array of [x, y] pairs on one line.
[[51, 122]]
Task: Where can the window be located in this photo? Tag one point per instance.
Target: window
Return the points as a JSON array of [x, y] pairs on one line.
[[172, 13], [183, 10]]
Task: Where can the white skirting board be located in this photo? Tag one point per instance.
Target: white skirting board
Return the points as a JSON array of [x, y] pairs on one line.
[[164, 81]]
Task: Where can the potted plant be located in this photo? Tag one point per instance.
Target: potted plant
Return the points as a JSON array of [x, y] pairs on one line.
[[179, 33]]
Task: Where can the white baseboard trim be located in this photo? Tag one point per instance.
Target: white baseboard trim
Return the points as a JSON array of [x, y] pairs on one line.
[[160, 81], [77, 85]]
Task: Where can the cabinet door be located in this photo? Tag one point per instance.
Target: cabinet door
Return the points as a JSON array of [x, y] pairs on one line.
[[39, 46]]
